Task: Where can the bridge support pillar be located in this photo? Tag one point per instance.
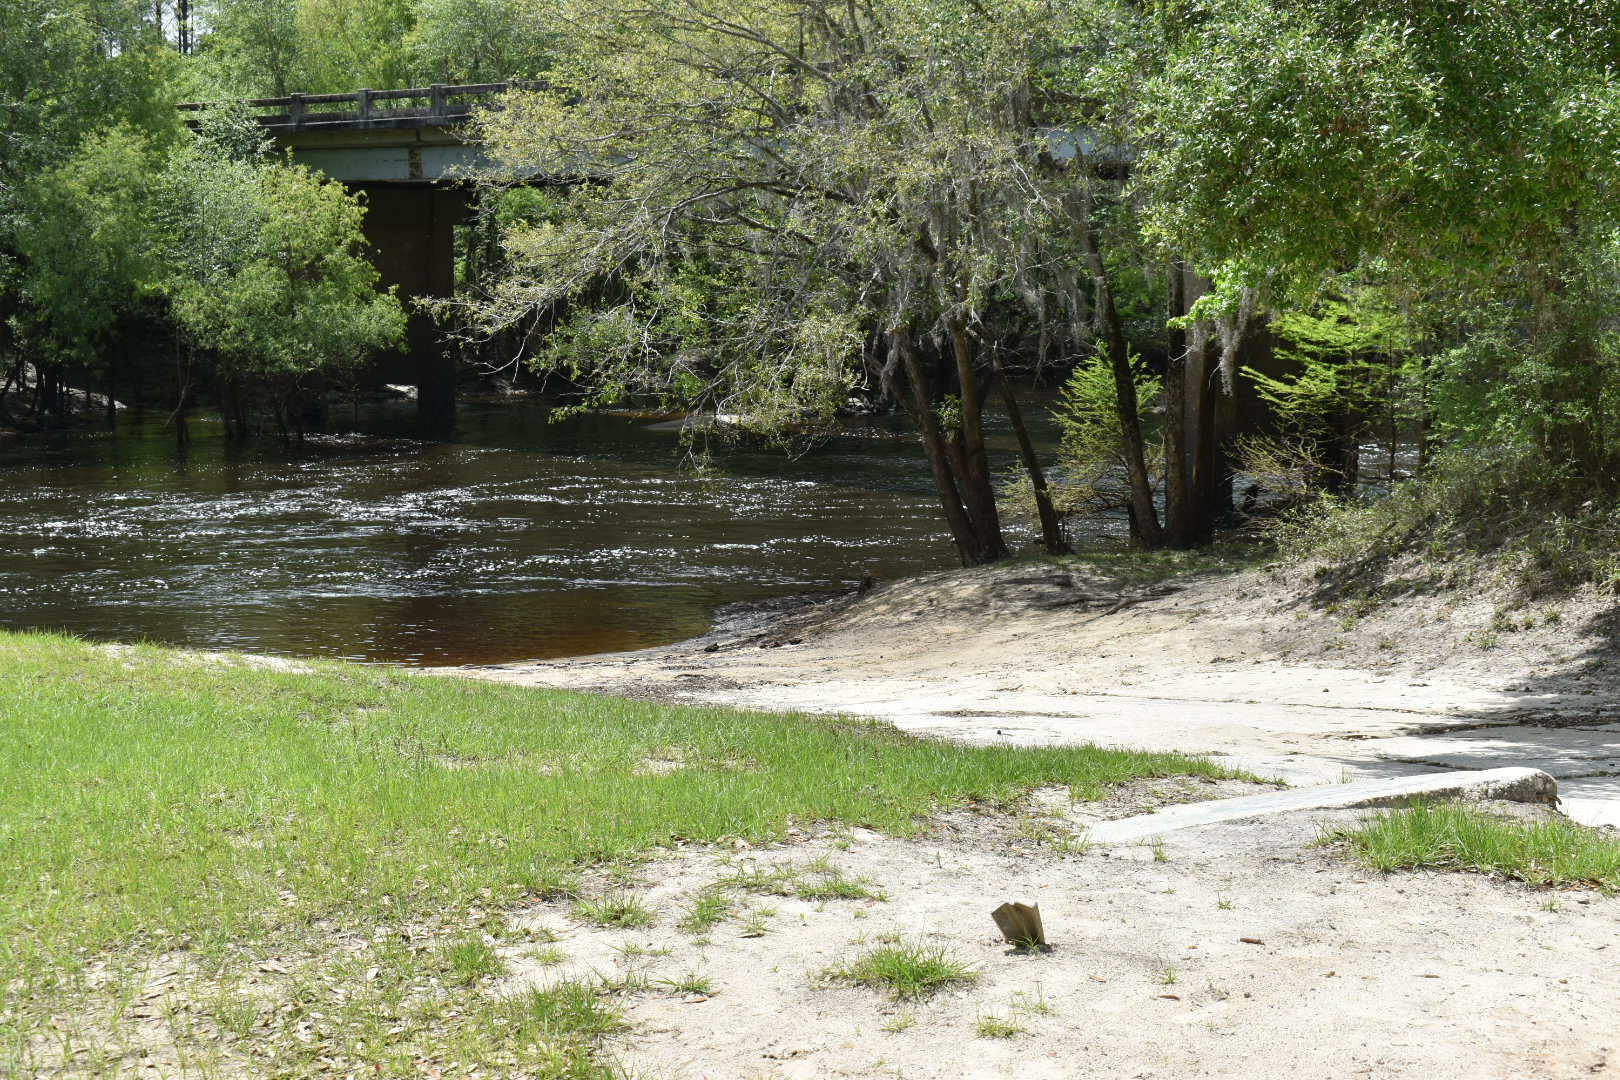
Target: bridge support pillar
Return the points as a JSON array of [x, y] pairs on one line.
[[411, 229]]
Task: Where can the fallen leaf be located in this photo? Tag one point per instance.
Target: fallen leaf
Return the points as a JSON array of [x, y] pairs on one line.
[[1251, 941], [271, 965], [1170, 997], [1098, 978], [694, 999], [372, 973]]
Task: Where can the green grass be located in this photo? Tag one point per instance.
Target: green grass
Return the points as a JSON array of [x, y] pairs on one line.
[[998, 1027], [907, 971], [1451, 837], [470, 960], [205, 814], [709, 909], [617, 909], [818, 879], [691, 982]]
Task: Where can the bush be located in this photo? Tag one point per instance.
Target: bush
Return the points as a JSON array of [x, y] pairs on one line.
[[1544, 529]]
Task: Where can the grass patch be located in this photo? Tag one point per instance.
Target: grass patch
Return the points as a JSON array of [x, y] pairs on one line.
[[839, 887], [617, 909], [998, 1027], [709, 909], [1452, 837], [815, 880], [690, 983], [907, 971], [192, 816], [470, 960]]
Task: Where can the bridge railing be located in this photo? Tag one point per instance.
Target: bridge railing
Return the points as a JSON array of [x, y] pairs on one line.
[[423, 106]]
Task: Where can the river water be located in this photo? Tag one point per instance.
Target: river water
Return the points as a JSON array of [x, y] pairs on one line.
[[517, 539]]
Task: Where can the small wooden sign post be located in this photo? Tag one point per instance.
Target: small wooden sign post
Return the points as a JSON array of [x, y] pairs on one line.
[[1021, 925]]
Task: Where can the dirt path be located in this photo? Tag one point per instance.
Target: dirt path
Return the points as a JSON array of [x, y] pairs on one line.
[[1233, 665]]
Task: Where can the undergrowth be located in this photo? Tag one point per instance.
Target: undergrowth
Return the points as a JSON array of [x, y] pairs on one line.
[[1530, 521]]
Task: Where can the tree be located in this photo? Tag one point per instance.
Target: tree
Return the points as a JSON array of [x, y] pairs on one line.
[[778, 206], [1454, 153], [267, 278], [67, 68], [87, 257], [1094, 446], [349, 44], [1354, 377], [252, 49], [473, 41]]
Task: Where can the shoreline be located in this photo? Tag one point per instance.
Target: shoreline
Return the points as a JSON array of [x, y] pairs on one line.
[[1237, 664]]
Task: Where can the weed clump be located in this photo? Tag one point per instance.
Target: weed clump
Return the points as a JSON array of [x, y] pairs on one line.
[[907, 970], [618, 909]]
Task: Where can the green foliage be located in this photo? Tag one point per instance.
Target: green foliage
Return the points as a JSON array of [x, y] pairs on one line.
[[70, 67], [1091, 454], [1351, 354], [252, 49], [349, 44], [1305, 136], [1450, 155], [268, 273], [470, 41], [1354, 375], [86, 237], [273, 47]]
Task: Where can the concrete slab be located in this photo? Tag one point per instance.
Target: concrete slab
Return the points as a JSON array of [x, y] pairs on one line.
[[1559, 751], [1592, 800], [1514, 785]]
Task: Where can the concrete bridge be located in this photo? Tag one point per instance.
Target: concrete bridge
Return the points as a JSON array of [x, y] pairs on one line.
[[406, 149]]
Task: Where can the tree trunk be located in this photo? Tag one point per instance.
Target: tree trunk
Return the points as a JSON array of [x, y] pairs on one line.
[[973, 467], [938, 455], [1051, 526], [1234, 336], [1144, 518], [1204, 436], [1181, 530], [12, 378]]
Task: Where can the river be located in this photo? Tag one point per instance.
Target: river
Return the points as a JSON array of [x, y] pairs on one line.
[[517, 539]]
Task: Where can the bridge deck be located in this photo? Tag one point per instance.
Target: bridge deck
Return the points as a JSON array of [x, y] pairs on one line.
[[418, 107]]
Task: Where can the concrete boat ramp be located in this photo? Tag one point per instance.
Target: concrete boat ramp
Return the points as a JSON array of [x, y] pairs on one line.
[[1507, 785]]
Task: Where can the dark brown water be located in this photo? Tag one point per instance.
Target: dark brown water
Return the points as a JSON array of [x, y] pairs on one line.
[[519, 539]]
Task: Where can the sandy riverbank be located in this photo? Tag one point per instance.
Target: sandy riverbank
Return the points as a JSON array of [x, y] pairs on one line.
[[1242, 949], [1248, 665]]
